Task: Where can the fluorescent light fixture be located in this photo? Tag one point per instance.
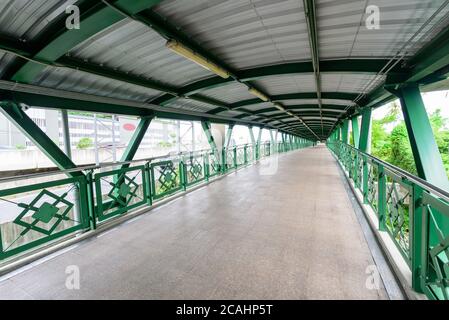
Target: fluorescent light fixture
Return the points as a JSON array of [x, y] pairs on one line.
[[180, 49], [258, 94], [278, 106]]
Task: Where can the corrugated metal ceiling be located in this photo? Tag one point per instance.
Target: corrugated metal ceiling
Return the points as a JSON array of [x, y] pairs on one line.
[[240, 33], [243, 33]]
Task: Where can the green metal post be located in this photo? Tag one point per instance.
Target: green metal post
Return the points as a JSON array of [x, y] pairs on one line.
[[206, 166], [273, 144], [207, 131], [245, 154], [259, 138], [148, 183], [381, 196], [365, 179], [253, 142], [234, 152], [365, 131], [90, 200], [355, 131], [66, 133], [345, 131], [229, 135], [416, 233]]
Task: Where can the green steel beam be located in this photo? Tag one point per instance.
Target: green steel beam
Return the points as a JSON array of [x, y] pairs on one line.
[[81, 65], [430, 64], [278, 116], [229, 134], [136, 139], [307, 108], [97, 18], [59, 102], [210, 138], [365, 131], [355, 131], [251, 135], [14, 113], [259, 136], [431, 59], [330, 66], [46, 101], [346, 97], [425, 150]]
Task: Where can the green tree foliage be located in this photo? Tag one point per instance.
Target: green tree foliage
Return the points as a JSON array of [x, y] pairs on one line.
[[400, 151], [394, 146], [84, 143], [441, 133]]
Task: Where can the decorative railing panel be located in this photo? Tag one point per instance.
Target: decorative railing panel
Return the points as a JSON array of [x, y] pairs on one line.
[[411, 211], [118, 191], [166, 178], [54, 206], [39, 213]]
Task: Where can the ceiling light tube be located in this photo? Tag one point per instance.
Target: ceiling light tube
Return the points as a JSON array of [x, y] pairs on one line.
[[258, 94], [278, 106], [187, 53]]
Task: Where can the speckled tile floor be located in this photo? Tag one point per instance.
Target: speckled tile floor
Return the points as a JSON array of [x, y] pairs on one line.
[[251, 235]]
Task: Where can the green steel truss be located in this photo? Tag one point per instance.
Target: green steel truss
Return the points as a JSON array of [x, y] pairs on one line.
[[20, 119]]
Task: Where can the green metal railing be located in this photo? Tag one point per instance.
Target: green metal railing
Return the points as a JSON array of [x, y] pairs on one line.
[[39, 209], [414, 213]]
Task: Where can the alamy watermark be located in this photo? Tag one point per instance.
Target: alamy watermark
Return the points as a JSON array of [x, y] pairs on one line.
[[373, 280], [72, 281], [73, 19], [372, 21]]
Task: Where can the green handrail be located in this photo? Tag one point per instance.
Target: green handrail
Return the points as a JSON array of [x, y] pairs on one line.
[[410, 210], [38, 214]]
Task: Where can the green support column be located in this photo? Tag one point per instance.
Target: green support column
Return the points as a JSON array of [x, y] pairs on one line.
[[364, 140], [345, 131], [253, 141], [66, 133], [259, 138], [429, 166], [355, 131], [136, 139], [251, 135], [425, 150], [273, 142], [18, 117], [229, 135], [207, 131]]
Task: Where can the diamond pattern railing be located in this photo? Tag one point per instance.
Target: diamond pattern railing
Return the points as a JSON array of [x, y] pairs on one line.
[[397, 213], [166, 178], [435, 269], [194, 168], [413, 213], [118, 191], [37, 214]]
